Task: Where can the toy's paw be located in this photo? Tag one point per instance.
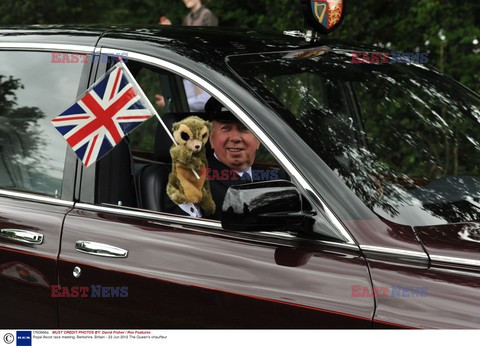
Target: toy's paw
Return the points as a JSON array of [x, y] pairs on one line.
[[181, 154], [174, 192], [177, 197], [193, 195]]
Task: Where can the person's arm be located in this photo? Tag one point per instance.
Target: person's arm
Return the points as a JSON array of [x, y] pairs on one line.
[[164, 21]]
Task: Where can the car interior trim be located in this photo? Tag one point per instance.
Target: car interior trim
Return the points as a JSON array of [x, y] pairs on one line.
[[267, 142], [35, 198]]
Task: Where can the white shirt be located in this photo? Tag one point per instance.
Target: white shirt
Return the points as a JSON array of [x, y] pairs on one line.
[[195, 96], [191, 209]]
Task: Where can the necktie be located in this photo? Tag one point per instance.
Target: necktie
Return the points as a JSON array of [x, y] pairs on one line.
[[246, 177]]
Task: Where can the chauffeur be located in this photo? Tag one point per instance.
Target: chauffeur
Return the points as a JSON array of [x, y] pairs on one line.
[[234, 148]]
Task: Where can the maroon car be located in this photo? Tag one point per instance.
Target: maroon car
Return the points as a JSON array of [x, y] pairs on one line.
[[374, 225]]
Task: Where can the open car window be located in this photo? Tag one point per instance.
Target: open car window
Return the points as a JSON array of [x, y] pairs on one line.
[[135, 172]]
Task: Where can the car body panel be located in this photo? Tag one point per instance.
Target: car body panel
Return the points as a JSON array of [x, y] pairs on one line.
[[449, 302], [28, 271], [453, 242], [189, 277], [385, 234]]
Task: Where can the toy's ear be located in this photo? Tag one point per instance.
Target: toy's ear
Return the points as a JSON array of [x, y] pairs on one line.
[[204, 132], [175, 126], [208, 124]]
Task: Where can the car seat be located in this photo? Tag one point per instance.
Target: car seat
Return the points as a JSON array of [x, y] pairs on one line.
[[117, 189]]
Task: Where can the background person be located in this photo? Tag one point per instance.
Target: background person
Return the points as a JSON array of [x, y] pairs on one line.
[[196, 97], [199, 15]]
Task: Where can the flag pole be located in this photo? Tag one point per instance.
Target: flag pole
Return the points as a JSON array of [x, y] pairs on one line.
[[150, 106]]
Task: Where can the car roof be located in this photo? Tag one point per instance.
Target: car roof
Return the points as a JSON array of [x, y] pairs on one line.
[[221, 41]]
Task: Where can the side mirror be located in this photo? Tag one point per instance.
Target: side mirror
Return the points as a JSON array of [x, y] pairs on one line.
[[273, 206]]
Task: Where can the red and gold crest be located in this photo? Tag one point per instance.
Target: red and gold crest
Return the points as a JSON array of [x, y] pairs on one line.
[[323, 15]]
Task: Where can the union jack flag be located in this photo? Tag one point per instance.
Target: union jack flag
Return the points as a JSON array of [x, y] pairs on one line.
[[109, 110]]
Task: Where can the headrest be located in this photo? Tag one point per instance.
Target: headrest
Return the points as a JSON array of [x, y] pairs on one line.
[[163, 142]]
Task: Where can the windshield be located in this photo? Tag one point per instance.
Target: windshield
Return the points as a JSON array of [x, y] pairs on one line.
[[404, 138]]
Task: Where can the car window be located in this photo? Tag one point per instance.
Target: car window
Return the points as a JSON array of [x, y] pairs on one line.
[[422, 147], [320, 105], [33, 90], [410, 151], [160, 87], [144, 157]]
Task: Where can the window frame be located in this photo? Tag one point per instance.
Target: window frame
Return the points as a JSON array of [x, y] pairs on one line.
[[88, 194], [71, 163]]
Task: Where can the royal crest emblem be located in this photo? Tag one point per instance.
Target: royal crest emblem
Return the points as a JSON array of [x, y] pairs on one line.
[[323, 15]]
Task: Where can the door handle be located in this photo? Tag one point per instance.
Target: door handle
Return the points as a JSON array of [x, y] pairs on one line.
[[22, 236], [99, 249]]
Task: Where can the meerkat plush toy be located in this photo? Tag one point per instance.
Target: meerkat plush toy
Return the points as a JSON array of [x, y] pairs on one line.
[[191, 135]]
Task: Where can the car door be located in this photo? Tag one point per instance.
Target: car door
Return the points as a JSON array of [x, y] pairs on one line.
[[141, 268], [36, 176]]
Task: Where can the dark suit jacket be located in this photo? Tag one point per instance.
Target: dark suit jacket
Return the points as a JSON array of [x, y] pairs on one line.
[[217, 187]]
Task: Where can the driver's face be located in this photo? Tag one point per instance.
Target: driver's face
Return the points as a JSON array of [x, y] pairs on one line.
[[234, 145]]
